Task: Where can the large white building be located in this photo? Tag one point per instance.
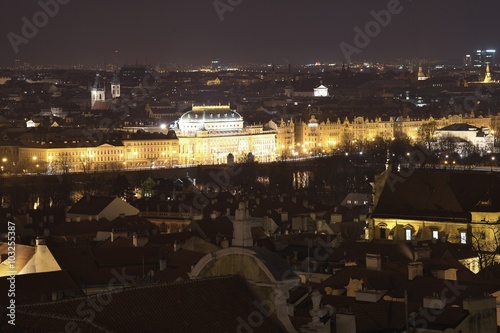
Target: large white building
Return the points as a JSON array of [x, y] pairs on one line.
[[214, 134], [480, 138]]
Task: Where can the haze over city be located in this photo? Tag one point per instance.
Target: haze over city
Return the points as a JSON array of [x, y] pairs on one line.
[[195, 31]]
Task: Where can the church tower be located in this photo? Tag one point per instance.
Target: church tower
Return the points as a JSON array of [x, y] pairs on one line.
[[421, 75], [115, 86], [97, 92], [487, 77]]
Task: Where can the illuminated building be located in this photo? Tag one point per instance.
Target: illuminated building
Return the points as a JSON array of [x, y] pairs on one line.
[[480, 58], [209, 134], [150, 150], [487, 75], [134, 150], [321, 91], [318, 136], [285, 138], [97, 92], [421, 75]]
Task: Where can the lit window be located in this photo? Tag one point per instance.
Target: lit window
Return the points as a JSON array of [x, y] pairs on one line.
[[408, 234], [435, 234], [463, 237]]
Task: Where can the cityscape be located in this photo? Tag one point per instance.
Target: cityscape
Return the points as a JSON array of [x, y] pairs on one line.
[[230, 166]]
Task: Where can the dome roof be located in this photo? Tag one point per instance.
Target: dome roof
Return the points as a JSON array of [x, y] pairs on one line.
[[210, 114]]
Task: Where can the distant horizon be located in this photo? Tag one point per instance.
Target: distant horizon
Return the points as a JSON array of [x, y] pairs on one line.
[[193, 66], [44, 32]]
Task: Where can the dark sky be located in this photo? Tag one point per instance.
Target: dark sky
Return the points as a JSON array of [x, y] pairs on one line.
[[263, 31]]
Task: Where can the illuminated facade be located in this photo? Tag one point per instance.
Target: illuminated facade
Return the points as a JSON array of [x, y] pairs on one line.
[[135, 150], [208, 134], [316, 136]]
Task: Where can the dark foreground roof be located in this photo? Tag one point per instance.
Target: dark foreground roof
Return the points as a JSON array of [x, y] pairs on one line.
[[206, 305], [436, 195]]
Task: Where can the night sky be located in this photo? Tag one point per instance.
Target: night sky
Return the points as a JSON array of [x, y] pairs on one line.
[[262, 31]]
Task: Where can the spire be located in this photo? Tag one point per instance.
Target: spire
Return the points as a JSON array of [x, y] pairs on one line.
[[487, 77]]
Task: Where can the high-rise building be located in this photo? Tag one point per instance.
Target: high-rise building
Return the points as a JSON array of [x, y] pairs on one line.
[[216, 65], [480, 58]]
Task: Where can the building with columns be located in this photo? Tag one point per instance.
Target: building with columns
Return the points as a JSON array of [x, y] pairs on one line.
[[209, 134]]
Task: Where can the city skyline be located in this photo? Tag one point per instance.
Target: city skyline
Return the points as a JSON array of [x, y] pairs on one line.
[[195, 32]]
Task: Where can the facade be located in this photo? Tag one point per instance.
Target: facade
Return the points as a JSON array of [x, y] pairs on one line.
[[321, 91], [461, 208], [150, 150], [465, 134], [209, 134]]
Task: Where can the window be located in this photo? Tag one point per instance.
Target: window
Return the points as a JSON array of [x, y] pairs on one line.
[[408, 233], [463, 237], [435, 234]]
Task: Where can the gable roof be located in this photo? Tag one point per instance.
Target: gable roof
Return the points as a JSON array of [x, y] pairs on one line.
[[91, 205]]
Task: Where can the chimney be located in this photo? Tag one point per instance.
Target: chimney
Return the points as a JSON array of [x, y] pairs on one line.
[[134, 239], [163, 264], [415, 269], [373, 262], [224, 243], [177, 246], [39, 241], [112, 235]]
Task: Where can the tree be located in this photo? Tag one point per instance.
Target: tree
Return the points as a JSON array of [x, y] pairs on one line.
[[486, 243], [426, 133], [61, 164], [147, 187]]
